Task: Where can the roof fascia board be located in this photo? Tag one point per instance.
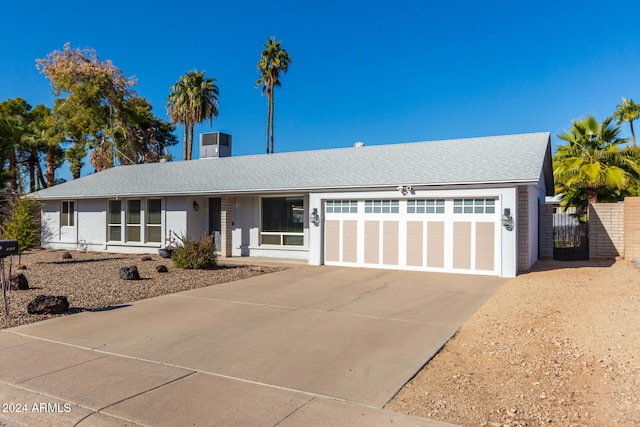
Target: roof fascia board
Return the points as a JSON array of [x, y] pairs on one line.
[[452, 186]]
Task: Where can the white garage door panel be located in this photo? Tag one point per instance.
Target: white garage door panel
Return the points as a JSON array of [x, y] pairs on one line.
[[449, 235]]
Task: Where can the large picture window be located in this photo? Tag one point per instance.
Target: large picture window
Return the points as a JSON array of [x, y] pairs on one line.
[[68, 214], [114, 221], [282, 221], [133, 220], [154, 221]]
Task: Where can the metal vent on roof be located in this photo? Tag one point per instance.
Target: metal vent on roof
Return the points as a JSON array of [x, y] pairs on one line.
[[214, 145], [358, 144]]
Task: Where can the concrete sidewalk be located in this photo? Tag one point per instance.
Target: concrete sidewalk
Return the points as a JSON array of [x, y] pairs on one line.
[[305, 346]]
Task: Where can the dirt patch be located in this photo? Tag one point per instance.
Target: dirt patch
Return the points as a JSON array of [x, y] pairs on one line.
[[557, 346], [91, 281]]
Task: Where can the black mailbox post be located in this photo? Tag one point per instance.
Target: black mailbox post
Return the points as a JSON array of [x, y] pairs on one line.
[[8, 248]]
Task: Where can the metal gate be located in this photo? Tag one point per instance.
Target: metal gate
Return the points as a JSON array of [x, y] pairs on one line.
[[570, 238]]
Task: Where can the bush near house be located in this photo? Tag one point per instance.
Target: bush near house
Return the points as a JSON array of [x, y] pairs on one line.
[[21, 221], [196, 254]]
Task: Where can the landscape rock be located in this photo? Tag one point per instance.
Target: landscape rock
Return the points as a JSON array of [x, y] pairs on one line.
[[146, 258], [48, 304], [129, 273], [161, 269], [66, 255], [19, 282]]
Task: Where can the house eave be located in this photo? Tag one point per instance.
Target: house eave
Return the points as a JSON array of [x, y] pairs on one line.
[[313, 189]]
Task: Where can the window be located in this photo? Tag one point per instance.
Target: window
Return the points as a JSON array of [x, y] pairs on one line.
[[114, 222], [428, 206], [470, 206], [154, 221], [282, 221], [68, 217], [133, 220], [381, 206], [341, 206]]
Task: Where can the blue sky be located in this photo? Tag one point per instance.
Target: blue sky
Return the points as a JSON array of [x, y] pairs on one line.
[[381, 73]]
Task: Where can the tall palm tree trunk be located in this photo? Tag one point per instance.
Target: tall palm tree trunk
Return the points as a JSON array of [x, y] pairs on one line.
[[40, 177], [51, 165], [191, 129], [633, 134], [186, 141], [13, 170], [268, 132], [32, 171], [273, 92]]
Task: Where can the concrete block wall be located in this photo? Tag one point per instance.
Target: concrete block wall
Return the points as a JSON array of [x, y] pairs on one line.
[[226, 225], [545, 231], [522, 228], [632, 227], [607, 230]]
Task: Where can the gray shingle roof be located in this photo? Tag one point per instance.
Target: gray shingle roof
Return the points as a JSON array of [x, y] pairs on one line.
[[497, 159]]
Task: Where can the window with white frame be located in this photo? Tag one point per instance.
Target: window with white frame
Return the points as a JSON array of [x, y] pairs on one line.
[[474, 206], [114, 221], [381, 206], [282, 221], [133, 221], [425, 206], [154, 221], [341, 206], [68, 213]]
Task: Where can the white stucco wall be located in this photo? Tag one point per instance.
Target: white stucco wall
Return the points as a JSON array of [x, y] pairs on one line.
[[50, 220], [197, 220], [90, 226], [91, 223], [246, 231]]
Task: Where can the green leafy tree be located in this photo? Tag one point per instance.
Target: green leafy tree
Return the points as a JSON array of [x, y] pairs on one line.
[[21, 222], [627, 111], [273, 60], [593, 165], [193, 99], [100, 111], [14, 119], [36, 143]]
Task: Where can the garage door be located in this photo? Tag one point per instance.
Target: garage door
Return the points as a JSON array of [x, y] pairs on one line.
[[437, 234]]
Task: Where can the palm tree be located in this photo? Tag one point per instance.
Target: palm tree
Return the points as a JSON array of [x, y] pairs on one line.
[[593, 161], [177, 103], [627, 111], [193, 99], [273, 60], [264, 82]]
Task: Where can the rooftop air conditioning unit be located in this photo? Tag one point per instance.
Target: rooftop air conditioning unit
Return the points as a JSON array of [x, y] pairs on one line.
[[214, 145]]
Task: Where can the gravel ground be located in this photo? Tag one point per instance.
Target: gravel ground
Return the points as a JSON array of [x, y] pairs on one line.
[[90, 281], [558, 346]]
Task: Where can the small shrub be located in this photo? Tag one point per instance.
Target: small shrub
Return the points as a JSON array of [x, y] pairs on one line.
[[20, 220], [195, 254]]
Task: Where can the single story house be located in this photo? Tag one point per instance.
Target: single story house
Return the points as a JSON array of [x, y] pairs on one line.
[[464, 205]]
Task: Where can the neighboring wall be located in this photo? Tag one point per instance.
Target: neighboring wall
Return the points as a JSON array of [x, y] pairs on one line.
[[632, 227], [614, 229], [606, 230]]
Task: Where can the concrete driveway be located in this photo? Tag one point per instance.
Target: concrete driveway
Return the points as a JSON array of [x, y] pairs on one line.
[[309, 345]]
